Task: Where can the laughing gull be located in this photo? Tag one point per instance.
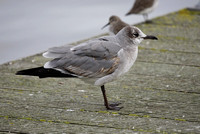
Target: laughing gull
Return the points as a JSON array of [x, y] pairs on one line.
[[115, 24], [100, 60], [143, 7]]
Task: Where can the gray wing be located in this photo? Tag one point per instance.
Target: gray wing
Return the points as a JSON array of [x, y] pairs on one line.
[[57, 52], [140, 5], [99, 51], [100, 48], [93, 59]]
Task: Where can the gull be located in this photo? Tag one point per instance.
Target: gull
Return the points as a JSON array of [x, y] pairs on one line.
[[143, 7], [98, 61], [115, 24], [198, 5]]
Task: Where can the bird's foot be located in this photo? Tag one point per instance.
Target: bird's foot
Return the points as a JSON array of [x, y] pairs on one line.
[[114, 106], [148, 21]]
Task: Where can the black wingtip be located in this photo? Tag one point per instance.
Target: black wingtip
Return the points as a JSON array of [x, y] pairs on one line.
[[31, 71], [42, 72], [19, 73]]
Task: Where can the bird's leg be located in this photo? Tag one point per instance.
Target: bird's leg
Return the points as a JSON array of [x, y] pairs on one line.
[[146, 18], [109, 106]]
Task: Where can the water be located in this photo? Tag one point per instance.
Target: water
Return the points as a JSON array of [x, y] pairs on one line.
[[28, 27]]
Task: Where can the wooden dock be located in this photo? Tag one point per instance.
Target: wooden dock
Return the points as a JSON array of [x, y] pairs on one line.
[[161, 93]]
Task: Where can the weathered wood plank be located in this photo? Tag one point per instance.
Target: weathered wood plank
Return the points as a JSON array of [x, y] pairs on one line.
[[144, 99], [75, 114]]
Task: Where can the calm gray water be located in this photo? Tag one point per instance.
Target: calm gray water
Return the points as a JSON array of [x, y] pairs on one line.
[[28, 27]]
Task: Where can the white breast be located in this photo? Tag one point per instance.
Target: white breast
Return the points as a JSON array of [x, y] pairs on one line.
[[127, 59], [111, 30]]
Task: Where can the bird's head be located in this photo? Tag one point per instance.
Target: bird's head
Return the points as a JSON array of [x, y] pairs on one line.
[[135, 35], [112, 20]]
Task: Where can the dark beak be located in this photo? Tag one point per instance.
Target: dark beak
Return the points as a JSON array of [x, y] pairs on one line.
[[151, 37], [105, 25]]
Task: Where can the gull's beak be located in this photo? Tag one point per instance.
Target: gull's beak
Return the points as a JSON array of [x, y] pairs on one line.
[[106, 25], [151, 37]]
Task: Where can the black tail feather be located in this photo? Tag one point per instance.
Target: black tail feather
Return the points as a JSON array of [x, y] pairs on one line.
[[42, 72]]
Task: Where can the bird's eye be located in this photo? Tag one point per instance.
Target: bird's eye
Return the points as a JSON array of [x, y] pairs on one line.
[[136, 34]]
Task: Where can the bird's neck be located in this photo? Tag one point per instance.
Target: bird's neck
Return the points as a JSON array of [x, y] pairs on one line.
[[124, 41]]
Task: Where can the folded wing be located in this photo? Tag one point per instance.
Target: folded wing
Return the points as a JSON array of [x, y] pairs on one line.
[[92, 59]]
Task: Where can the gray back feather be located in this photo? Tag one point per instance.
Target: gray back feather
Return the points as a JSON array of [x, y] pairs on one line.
[[95, 58]]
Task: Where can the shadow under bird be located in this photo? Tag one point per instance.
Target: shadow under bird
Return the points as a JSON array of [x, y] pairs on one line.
[[143, 7], [97, 61], [115, 24]]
